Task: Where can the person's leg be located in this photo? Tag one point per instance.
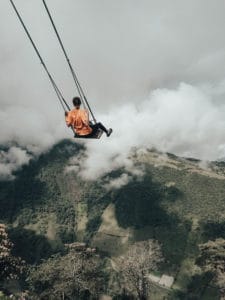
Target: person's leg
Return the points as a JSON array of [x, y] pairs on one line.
[[96, 127], [102, 127]]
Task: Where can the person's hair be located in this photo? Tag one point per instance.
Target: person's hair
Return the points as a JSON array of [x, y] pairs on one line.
[[76, 101]]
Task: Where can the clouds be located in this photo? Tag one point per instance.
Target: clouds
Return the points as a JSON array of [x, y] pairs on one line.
[[131, 58], [187, 121], [11, 160], [119, 48], [29, 127]]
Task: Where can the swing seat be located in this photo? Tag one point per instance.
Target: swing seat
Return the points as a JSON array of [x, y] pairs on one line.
[[96, 135]]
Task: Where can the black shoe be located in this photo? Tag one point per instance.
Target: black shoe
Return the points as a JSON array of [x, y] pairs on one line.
[[109, 132]]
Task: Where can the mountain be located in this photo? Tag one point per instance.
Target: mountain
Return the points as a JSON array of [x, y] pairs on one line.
[[179, 202]]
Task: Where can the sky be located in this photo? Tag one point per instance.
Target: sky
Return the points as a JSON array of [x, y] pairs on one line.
[[153, 70]]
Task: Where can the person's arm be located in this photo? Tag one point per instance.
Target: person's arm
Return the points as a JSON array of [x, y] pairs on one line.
[[68, 118]]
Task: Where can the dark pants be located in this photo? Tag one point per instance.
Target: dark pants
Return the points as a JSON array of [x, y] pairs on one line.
[[95, 128]]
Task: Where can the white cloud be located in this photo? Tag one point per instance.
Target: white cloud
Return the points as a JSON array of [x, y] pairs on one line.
[[185, 121], [118, 182], [11, 160]]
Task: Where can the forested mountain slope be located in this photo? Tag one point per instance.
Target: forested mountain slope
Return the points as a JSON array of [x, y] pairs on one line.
[[178, 202]]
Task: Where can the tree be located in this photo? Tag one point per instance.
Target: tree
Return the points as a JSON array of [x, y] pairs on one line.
[[212, 259], [11, 267], [141, 259], [76, 275]]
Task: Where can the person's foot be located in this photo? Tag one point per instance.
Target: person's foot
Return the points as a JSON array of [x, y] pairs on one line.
[[109, 132]]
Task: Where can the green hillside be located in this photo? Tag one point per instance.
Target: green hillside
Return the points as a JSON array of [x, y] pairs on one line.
[[179, 202]]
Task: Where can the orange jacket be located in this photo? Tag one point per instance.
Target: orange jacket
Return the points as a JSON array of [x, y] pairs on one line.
[[79, 119]]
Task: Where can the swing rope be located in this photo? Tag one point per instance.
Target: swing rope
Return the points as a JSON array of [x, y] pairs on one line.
[[60, 97], [76, 81]]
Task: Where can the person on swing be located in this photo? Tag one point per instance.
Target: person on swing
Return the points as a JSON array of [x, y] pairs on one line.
[[79, 119]]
